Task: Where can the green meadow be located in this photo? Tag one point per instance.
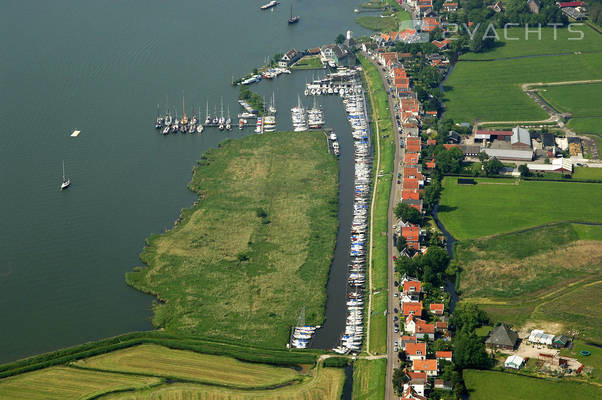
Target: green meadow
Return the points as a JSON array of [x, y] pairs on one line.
[[491, 385], [515, 42], [369, 379], [255, 249], [501, 205], [491, 90]]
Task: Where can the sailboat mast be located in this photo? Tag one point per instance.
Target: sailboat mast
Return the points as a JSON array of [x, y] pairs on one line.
[[63, 170]]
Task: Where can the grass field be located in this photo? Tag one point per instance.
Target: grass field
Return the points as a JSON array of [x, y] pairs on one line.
[[377, 23], [587, 124], [490, 90], [499, 206], [369, 379], [379, 106], [164, 362], [588, 173], [378, 324], [243, 262], [549, 274], [591, 42], [308, 62], [63, 383], [328, 385], [491, 385], [592, 363]]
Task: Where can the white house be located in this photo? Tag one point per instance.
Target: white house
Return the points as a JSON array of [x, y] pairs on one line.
[[538, 336], [514, 362], [289, 58]]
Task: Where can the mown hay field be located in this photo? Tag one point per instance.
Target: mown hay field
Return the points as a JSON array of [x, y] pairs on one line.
[[327, 385], [243, 262], [161, 361], [491, 385], [499, 206], [63, 383], [491, 90]]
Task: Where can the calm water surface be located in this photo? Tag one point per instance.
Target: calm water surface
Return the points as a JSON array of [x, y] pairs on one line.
[[101, 67]]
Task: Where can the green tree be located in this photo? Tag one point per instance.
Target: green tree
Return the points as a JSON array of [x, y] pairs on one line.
[[408, 213], [469, 351], [492, 166], [483, 156], [431, 195], [340, 38], [524, 170], [399, 378], [467, 317], [401, 243]]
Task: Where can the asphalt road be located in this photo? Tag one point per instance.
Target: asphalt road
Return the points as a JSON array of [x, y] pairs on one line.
[[392, 356]]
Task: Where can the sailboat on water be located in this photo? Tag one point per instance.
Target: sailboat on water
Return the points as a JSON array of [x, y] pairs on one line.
[[272, 108], [295, 19], [66, 181]]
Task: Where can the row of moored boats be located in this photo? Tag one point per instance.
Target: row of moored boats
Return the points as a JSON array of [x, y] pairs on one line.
[[356, 113], [306, 119]]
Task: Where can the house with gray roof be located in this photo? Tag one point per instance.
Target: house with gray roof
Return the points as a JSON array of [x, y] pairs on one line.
[[502, 337]]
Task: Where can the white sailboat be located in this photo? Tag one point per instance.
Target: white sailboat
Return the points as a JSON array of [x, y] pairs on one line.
[[66, 181], [199, 128], [272, 108]]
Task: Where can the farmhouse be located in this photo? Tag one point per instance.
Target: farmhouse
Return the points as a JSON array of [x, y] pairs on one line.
[[558, 165], [502, 337]]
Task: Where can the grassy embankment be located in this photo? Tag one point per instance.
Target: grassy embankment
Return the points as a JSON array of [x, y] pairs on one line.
[[584, 102], [496, 206], [159, 372], [491, 90], [308, 62], [369, 379], [588, 173], [380, 112], [490, 385], [389, 21], [549, 274], [243, 261]]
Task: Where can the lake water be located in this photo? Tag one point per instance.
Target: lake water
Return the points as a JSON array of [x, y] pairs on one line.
[[101, 67]]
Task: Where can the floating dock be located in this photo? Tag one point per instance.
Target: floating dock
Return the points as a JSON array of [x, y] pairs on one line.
[[75, 134]]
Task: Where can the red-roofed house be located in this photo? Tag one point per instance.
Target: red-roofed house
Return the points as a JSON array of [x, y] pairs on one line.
[[411, 158], [450, 146], [427, 366], [416, 351], [407, 339], [430, 164], [413, 308], [416, 375], [564, 4], [441, 44], [450, 7], [412, 236], [410, 393], [410, 194], [437, 309], [425, 330], [430, 23], [411, 184], [410, 287], [443, 355], [431, 141], [440, 325]]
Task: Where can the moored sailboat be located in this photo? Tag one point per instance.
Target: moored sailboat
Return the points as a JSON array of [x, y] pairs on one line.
[[66, 182]]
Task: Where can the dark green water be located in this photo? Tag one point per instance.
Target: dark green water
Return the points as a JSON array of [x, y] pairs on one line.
[[101, 67]]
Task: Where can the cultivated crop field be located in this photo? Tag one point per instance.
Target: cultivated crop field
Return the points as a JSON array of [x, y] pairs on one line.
[[491, 90], [591, 42], [243, 262], [64, 383], [491, 385], [327, 385], [165, 362], [499, 206]]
